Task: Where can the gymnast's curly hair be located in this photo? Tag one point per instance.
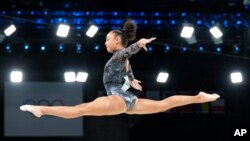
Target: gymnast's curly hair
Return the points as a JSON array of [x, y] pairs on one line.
[[128, 32]]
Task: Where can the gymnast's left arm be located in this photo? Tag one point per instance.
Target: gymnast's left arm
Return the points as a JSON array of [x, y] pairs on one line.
[[142, 42], [134, 48]]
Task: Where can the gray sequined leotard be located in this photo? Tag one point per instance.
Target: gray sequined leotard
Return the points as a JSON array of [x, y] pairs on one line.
[[114, 73]]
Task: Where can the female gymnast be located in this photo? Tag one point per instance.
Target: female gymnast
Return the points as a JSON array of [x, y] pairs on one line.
[[118, 78]]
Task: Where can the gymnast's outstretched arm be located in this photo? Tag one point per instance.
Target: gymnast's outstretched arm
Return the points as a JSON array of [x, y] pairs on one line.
[[126, 53]]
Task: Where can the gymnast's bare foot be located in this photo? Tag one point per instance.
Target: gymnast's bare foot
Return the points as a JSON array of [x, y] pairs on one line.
[[30, 108], [205, 97]]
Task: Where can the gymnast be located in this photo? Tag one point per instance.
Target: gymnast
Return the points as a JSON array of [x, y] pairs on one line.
[[118, 77]]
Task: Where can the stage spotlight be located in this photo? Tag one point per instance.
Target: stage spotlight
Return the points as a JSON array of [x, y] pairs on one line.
[[97, 48], [32, 12], [216, 32], [236, 77], [183, 14], [201, 48], [26, 47], [173, 22], [43, 48], [63, 30], [218, 49], [236, 48], [156, 14], [19, 12], [142, 13], [225, 23], [162, 77], [8, 49], [81, 76], [69, 76], [158, 22], [16, 76], [92, 31], [78, 48], [61, 48], [184, 49], [246, 2], [199, 22], [238, 22], [167, 49], [149, 49], [187, 31], [10, 30]]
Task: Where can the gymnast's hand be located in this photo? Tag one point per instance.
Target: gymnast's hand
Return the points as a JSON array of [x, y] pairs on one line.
[[135, 84], [142, 42]]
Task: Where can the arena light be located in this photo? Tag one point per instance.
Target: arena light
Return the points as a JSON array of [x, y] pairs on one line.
[[8, 48], [188, 34], [61, 48], [201, 48], [69, 76], [187, 31], [236, 77], [167, 48], [218, 49], [246, 2], [96, 48], [92, 31], [236, 49], [78, 48], [81, 77], [16, 76], [149, 49], [63, 30], [42, 48], [162, 77], [26, 47], [10, 30], [216, 32]]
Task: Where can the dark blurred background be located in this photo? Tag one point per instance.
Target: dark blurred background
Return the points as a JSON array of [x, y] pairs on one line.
[[202, 64]]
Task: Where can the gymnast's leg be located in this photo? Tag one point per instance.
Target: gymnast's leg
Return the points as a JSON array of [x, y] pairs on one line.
[[106, 105], [146, 106]]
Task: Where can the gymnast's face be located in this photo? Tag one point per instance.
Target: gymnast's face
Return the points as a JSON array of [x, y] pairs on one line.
[[112, 42]]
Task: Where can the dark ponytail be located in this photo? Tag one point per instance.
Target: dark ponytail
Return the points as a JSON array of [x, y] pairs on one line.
[[129, 29], [128, 32]]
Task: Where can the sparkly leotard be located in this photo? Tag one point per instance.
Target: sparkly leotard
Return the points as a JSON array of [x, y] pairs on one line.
[[115, 73]]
